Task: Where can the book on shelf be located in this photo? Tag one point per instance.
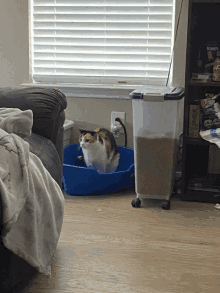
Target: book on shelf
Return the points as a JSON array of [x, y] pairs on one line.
[[201, 184], [202, 116], [194, 121]]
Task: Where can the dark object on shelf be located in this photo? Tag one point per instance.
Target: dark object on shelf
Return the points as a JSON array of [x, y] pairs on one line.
[[208, 62], [209, 111], [214, 159], [208, 101], [216, 69], [202, 77], [210, 114], [212, 52], [210, 122], [209, 119], [209, 68], [199, 60]]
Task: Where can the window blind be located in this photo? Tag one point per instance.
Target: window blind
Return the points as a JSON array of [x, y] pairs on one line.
[[101, 41]]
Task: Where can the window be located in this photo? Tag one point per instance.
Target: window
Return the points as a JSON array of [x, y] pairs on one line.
[[101, 41]]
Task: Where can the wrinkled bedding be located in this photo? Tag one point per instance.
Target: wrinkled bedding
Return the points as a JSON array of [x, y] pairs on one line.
[[32, 201]]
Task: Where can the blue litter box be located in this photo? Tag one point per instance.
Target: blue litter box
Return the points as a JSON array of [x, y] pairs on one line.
[[79, 180]]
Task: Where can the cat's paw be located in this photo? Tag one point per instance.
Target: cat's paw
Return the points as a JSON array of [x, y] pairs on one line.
[[80, 158]]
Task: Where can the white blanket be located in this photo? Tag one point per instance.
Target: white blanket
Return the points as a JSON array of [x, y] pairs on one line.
[[13, 120], [32, 201], [211, 135]]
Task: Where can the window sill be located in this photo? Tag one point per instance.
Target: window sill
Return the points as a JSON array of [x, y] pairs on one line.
[[91, 91]]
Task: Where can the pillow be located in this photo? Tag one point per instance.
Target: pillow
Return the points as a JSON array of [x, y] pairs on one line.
[[13, 120]]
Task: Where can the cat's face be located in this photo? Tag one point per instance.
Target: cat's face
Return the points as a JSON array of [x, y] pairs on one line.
[[88, 139]]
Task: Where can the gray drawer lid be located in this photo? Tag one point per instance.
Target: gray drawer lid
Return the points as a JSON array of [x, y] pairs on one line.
[[156, 93]]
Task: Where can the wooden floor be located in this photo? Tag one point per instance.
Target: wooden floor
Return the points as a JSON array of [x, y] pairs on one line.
[[106, 245]]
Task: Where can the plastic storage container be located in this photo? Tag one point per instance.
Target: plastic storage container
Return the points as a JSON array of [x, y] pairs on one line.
[[156, 129], [80, 180]]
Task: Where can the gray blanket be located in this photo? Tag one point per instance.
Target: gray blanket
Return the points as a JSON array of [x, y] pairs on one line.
[[32, 201]]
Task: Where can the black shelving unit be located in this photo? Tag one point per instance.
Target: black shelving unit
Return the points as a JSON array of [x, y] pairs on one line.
[[198, 181]]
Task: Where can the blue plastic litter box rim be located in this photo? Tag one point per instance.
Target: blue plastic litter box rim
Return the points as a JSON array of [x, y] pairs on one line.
[[103, 174], [120, 147]]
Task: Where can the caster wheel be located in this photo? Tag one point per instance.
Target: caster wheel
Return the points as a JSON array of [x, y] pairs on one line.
[[136, 203], [166, 205]]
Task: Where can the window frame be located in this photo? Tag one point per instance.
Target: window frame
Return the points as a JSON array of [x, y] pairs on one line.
[[82, 81]]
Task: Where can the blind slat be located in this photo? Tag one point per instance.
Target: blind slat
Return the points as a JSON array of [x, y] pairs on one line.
[[102, 3], [109, 49], [101, 40]]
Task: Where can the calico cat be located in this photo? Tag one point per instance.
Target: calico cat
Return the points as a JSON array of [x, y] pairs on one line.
[[100, 150]]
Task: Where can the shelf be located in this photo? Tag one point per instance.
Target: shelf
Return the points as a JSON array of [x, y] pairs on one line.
[[200, 160], [210, 83], [210, 186], [205, 181], [207, 189], [197, 141], [201, 196]]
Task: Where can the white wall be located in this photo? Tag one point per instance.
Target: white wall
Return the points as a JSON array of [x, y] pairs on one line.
[[179, 59], [14, 51]]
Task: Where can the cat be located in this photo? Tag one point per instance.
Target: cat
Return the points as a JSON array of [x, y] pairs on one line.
[[100, 150]]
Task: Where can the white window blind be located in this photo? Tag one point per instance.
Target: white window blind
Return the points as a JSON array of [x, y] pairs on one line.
[[101, 41]]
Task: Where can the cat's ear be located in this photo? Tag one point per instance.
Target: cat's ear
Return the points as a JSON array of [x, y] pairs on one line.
[[92, 133], [83, 132]]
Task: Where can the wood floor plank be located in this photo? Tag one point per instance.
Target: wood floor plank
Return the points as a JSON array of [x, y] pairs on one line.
[[106, 245]]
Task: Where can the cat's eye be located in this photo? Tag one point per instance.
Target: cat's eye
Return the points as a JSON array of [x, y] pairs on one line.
[[86, 140]]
